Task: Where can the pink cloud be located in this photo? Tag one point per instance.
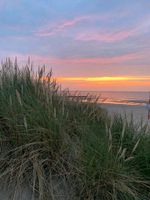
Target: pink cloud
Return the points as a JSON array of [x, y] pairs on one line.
[[94, 35], [61, 26], [105, 36], [109, 36], [50, 30], [81, 61]]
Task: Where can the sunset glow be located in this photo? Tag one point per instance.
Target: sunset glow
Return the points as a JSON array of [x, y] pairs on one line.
[[109, 79], [89, 45], [106, 83]]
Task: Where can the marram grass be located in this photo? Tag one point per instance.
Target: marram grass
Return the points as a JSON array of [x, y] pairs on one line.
[[63, 148]]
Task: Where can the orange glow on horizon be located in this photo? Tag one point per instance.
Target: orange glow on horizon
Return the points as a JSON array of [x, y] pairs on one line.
[[105, 78], [106, 83]]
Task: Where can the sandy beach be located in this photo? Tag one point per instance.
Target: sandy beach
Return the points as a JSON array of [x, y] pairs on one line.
[[138, 112]]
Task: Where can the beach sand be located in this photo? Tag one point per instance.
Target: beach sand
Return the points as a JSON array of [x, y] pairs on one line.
[[138, 112]]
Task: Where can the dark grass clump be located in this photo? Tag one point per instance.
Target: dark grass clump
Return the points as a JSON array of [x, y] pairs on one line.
[[64, 148]]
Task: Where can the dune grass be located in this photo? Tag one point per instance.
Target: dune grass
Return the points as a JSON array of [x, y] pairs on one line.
[[63, 148]]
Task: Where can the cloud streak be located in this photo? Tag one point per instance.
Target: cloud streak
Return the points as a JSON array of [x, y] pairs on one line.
[[82, 60], [105, 36], [51, 30], [61, 26], [98, 60], [110, 36]]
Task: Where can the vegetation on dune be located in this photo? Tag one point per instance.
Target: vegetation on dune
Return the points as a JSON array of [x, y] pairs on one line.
[[64, 148]]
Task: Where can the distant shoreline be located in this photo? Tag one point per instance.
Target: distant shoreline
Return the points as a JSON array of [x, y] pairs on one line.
[[115, 97]]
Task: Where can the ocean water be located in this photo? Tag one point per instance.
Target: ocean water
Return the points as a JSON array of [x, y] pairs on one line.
[[130, 105], [122, 98]]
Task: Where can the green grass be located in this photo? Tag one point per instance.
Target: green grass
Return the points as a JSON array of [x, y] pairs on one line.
[[64, 148]]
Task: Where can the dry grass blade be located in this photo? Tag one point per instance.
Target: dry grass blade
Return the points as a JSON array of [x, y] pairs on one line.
[[18, 97], [136, 145], [123, 131]]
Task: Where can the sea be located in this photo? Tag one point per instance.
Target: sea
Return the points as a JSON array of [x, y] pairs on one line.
[[130, 105], [118, 97]]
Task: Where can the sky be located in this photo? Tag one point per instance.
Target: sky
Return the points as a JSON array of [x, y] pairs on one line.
[[89, 44]]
